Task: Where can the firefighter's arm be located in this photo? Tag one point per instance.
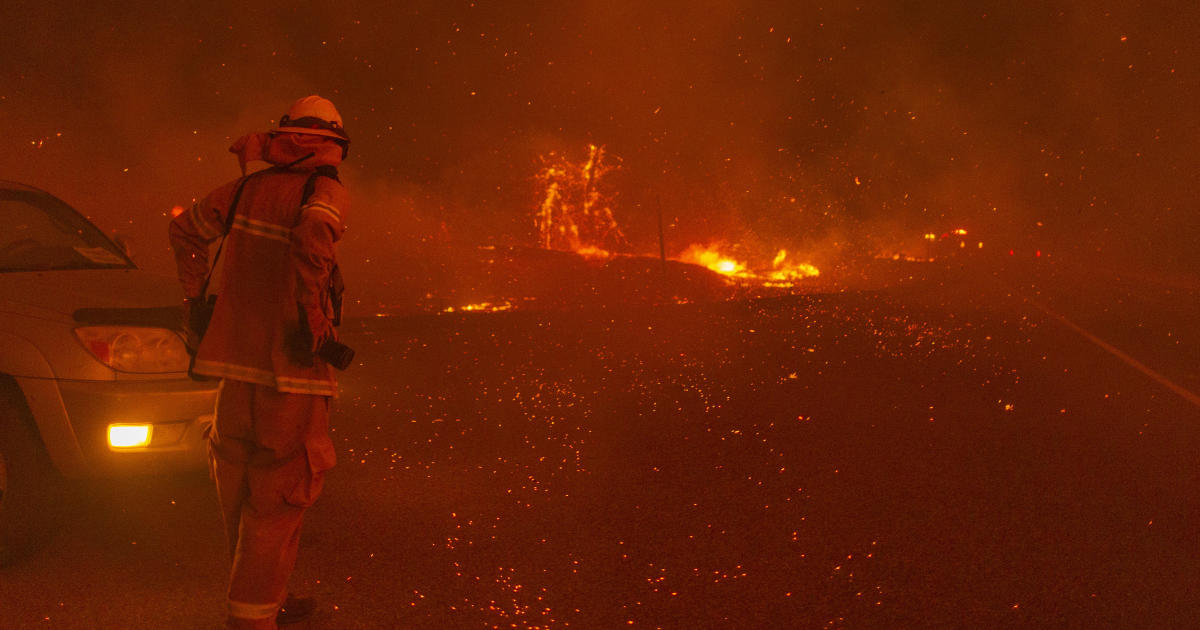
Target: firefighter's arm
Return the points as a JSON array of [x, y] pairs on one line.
[[190, 234], [313, 255]]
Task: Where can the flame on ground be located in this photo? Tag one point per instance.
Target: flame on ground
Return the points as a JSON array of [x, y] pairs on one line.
[[593, 253], [486, 307], [782, 273], [710, 257], [785, 274]]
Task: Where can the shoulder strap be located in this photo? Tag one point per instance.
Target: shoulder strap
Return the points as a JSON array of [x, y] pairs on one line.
[[325, 170], [237, 195]]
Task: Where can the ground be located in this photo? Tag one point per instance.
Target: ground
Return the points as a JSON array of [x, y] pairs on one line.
[[946, 452]]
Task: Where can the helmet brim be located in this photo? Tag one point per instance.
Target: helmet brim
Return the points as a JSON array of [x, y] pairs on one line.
[[314, 132]]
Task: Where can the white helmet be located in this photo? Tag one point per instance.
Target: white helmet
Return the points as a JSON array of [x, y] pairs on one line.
[[315, 116]]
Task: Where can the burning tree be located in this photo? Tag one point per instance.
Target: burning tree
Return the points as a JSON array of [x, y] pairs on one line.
[[575, 212]]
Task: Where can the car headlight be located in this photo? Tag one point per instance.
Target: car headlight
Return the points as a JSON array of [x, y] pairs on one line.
[[135, 349]]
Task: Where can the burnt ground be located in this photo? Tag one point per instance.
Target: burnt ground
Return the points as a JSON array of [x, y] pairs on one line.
[[943, 453]]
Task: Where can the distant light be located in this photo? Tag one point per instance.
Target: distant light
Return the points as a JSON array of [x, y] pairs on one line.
[[1039, 253], [128, 435]]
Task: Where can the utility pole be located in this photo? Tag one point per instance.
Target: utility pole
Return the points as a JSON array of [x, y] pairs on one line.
[[662, 240]]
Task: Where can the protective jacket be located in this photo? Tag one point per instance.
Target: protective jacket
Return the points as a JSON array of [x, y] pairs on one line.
[[278, 253]]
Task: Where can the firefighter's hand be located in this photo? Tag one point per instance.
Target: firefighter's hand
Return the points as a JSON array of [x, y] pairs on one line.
[[322, 331]]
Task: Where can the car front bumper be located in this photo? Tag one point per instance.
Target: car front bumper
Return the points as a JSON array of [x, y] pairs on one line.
[[178, 411]]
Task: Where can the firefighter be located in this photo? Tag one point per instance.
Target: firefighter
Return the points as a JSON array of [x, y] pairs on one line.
[[269, 445]]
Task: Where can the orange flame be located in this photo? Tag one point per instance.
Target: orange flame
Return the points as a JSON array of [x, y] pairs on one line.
[[593, 253], [487, 307], [710, 257], [781, 274], [784, 274], [574, 211]]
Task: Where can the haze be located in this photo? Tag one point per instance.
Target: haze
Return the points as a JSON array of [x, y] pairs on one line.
[[803, 125]]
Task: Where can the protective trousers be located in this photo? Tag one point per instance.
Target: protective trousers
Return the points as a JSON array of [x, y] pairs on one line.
[[260, 450]]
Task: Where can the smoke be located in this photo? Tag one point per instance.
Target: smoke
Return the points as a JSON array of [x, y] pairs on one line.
[[770, 125]]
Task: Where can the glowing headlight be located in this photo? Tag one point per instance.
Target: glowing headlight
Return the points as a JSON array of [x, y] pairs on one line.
[[128, 435], [135, 349]]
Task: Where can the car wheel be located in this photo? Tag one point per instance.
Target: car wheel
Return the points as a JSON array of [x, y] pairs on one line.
[[27, 481]]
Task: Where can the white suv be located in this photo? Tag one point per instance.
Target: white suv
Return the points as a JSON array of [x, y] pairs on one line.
[[93, 373]]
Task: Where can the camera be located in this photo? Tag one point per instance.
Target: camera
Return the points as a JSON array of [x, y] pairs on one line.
[[298, 345], [299, 342], [337, 354]]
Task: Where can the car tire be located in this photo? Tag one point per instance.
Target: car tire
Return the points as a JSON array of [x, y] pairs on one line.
[[28, 481]]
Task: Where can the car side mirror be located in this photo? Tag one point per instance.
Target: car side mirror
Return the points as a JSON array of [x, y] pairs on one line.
[[123, 243]]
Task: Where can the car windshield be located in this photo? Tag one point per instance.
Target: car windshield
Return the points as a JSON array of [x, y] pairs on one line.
[[41, 232]]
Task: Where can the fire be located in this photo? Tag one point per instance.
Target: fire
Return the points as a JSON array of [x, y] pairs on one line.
[[574, 212], [784, 274], [728, 267], [781, 274], [711, 258], [487, 307], [593, 253]]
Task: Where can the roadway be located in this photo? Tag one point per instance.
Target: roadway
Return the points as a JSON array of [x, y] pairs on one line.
[[963, 449]]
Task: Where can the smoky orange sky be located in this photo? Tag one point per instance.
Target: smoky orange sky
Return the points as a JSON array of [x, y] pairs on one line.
[[776, 123]]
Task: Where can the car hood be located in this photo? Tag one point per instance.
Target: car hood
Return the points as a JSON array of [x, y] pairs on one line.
[[59, 294]]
